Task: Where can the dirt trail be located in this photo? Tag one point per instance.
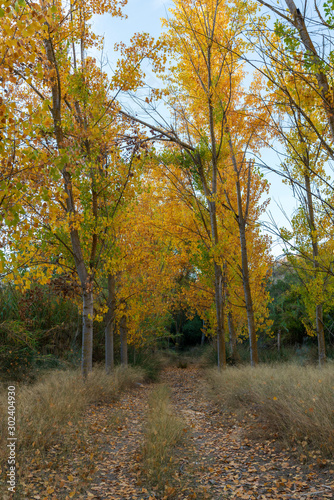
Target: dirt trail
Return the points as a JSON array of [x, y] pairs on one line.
[[229, 464], [222, 461], [216, 461], [117, 476]]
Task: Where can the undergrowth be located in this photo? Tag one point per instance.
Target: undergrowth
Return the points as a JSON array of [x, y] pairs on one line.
[[297, 402], [152, 363]]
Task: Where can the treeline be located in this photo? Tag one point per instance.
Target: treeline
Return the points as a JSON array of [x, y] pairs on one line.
[[40, 329], [132, 219]]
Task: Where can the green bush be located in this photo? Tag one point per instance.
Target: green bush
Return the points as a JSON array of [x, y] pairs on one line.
[[149, 361]]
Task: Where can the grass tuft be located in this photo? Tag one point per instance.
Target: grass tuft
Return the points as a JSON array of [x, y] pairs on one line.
[[297, 402], [44, 409], [164, 431]]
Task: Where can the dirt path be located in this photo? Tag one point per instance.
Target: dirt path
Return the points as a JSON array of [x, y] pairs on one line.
[[216, 461], [232, 466], [117, 476], [222, 462]]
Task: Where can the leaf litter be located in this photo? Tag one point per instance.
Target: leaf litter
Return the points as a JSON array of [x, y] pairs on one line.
[[218, 459]]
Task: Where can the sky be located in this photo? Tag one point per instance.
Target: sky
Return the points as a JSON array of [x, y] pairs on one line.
[[145, 16]]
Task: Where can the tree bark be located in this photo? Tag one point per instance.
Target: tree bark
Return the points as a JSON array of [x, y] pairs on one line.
[[219, 298], [87, 333], [221, 347], [315, 250], [233, 339], [241, 217], [110, 324], [124, 341], [247, 291]]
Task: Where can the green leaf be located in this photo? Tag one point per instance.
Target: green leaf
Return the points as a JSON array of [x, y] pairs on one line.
[[2, 13]]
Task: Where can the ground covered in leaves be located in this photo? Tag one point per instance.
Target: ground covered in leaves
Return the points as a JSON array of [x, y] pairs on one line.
[[220, 456]]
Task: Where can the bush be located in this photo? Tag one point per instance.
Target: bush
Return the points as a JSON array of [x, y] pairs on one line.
[[150, 362], [37, 328]]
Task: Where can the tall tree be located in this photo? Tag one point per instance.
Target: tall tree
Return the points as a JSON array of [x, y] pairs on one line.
[[77, 142]]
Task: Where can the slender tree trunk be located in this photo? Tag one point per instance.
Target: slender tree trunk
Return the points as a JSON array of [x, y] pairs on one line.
[[315, 250], [323, 83], [87, 333], [232, 333], [221, 348], [241, 219], [124, 341], [279, 340], [248, 295], [109, 346], [84, 275], [203, 334], [219, 298], [110, 324], [233, 338]]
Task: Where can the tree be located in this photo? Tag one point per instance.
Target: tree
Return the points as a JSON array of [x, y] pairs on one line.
[[77, 141], [207, 38], [306, 57], [301, 118]]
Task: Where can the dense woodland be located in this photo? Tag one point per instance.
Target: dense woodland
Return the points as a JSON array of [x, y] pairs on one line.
[[131, 215]]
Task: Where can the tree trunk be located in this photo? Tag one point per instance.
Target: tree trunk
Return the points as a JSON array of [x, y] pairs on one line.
[[315, 250], [110, 324], [279, 340], [221, 348], [109, 346], [203, 334], [84, 275], [219, 298], [323, 84], [248, 295], [241, 217], [321, 335], [233, 339], [124, 341], [87, 333]]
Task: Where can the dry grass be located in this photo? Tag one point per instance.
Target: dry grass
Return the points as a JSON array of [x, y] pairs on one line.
[[44, 409], [163, 432], [296, 402]]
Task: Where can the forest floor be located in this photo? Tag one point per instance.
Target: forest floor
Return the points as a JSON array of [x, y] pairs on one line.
[[220, 457]]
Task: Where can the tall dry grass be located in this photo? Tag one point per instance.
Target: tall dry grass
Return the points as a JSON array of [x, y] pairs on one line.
[[163, 432], [44, 408], [297, 402]]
